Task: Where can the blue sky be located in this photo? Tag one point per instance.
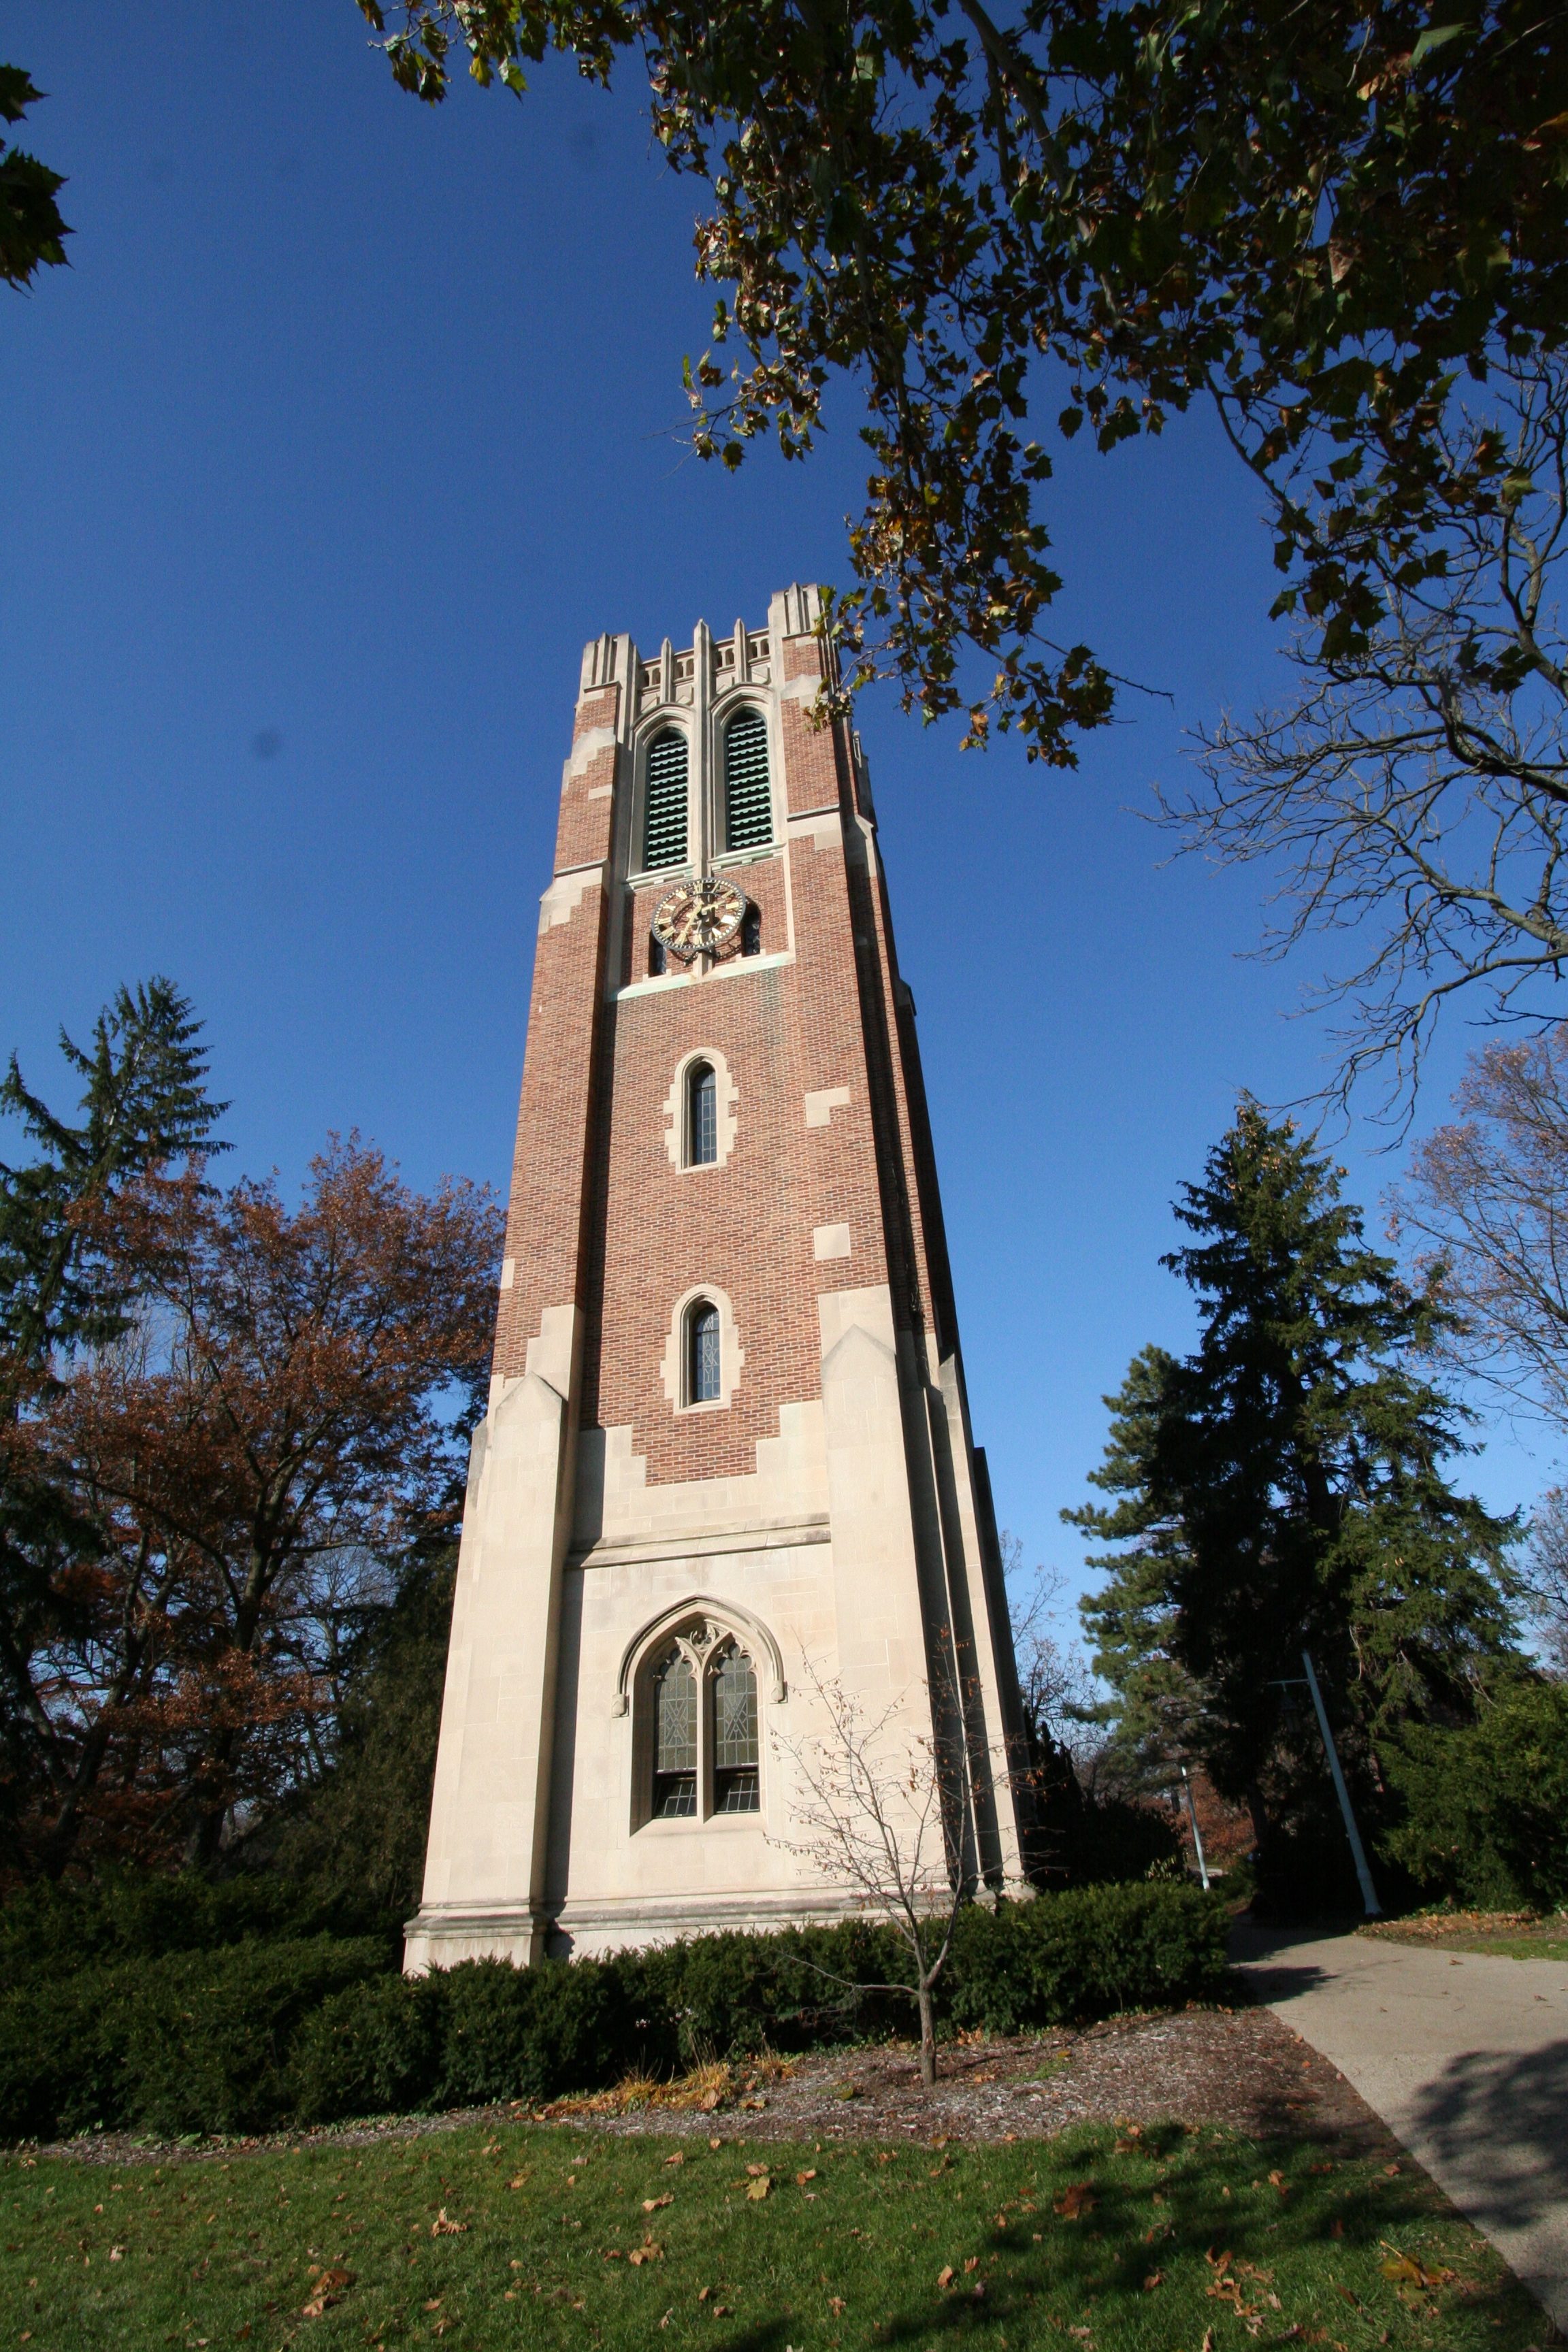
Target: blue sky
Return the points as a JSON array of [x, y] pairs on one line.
[[350, 421]]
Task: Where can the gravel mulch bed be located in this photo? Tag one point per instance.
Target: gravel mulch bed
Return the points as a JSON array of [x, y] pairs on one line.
[[1241, 2068]]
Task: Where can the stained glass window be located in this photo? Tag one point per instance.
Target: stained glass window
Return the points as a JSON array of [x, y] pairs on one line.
[[703, 1115], [704, 1336], [734, 1696], [674, 1740], [748, 802], [664, 812]]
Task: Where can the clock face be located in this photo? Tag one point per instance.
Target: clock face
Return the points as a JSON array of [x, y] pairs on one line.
[[698, 918]]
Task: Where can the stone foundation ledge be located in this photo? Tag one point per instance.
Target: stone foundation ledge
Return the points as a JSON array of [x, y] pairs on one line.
[[589, 1930]]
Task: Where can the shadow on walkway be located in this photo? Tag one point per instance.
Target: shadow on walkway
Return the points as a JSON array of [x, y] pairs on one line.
[[1501, 2120]]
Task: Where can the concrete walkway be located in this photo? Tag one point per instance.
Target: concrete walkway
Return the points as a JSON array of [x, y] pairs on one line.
[[1463, 2057]]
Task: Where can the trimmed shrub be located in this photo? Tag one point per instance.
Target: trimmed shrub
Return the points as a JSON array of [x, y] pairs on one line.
[[255, 2034], [373, 2049], [1085, 1953], [193, 2042], [733, 1995]]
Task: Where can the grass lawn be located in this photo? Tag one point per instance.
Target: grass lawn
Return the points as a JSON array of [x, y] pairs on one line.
[[1514, 1934], [1168, 2241]]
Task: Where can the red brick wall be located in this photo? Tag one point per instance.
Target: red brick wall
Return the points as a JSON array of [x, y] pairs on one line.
[[599, 1214]]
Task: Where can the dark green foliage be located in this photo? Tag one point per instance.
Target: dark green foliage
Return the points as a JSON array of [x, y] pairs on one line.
[[372, 2049], [1089, 1837], [52, 1931], [360, 1833], [143, 1103], [1487, 1807], [32, 233], [1086, 1953], [193, 2042], [484, 2032], [256, 2033], [1279, 1490]]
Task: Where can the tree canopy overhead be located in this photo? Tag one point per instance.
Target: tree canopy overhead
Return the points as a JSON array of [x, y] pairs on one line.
[[32, 234], [1317, 216]]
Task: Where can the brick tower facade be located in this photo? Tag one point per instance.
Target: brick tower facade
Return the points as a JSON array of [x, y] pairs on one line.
[[728, 1433]]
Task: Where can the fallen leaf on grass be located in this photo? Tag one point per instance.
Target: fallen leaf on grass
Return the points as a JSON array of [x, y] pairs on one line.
[[1154, 2279], [652, 2204], [433, 2304], [972, 2265], [759, 2171], [802, 2178], [441, 2228], [835, 2305], [757, 2189], [1407, 2271], [1353, 2300], [1076, 2198], [715, 2143], [519, 2177], [647, 2253], [117, 2254], [945, 2276], [330, 2286], [1278, 2181], [676, 2158]]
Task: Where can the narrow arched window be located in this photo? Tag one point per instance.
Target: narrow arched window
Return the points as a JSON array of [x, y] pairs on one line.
[[751, 931], [674, 1740], [702, 1353], [748, 798], [664, 801], [701, 1116], [733, 1689]]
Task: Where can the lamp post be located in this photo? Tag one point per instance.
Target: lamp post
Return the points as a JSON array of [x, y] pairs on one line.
[[1197, 1840], [1368, 1891]]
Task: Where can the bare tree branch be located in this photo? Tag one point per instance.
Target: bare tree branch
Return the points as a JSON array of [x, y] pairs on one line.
[[1416, 792]]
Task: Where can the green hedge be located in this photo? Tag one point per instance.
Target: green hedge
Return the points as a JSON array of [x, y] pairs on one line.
[[259, 2033], [486, 2031], [190, 2041]]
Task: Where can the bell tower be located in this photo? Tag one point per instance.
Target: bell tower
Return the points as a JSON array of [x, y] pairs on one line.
[[728, 1432]]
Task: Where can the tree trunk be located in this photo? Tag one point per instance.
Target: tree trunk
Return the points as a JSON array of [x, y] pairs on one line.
[[928, 2038]]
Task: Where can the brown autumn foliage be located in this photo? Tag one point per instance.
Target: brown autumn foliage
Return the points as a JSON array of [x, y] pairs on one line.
[[286, 1415]]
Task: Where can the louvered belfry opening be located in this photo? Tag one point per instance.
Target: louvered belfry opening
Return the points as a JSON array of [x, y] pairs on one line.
[[748, 802], [664, 810]]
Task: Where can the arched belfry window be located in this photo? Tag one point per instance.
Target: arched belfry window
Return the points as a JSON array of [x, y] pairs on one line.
[[664, 801], [701, 1116], [748, 798], [673, 1691], [732, 1697], [702, 1381]]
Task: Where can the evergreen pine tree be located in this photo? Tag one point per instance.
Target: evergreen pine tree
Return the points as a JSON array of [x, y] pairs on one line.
[[1282, 1489]]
